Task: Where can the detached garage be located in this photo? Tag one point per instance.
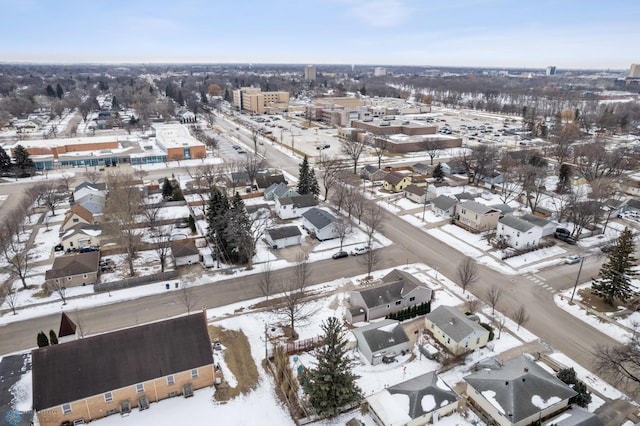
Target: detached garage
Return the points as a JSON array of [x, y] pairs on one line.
[[283, 237]]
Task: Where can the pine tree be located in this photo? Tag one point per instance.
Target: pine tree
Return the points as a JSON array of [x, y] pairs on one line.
[[23, 163], [563, 178], [50, 92], [238, 231], [438, 173], [5, 162], [53, 339], [583, 398], [614, 279], [42, 340], [331, 385], [59, 91], [217, 218], [167, 188], [307, 182], [313, 184]]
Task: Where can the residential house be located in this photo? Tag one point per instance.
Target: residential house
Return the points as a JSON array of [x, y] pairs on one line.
[[517, 232], [185, 252], [278, 190], [419, 401], [477, 217], [292, 207], [113, 372], [416, 193], [421, 168], [372, 173], [73, 270], [576, 416], [321, 223], [380, 339], [517, 392], [81, 235], [92, 202], [266, 178], [398, 290], [494, 178], [454, 167], [396, 182], [436, 189], [444, 206], [455, 331], [548, 227], [283, 236], [75, 216], [464, 196], [86, 188], [504, 208]]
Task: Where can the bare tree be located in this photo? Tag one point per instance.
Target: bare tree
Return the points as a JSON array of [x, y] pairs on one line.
[[520, 316], [621, 362], [432, 147], [162, 244], [562, 138], [358, 204], [66, 180], [266, 283], [472, 304], [259, 221], [185, 296], [140, 173], [252, 165], [379, 148], [331, 173], [16, 254], [343, 229], [353, 149], [79, 322], [92, 176], [293, 304], [50, 194], [533, 184], [369, 260], [467, 272], [340, 195], [9, 296], [373, 217], [57, 286], [494, 294], [499, 323], [122, 209]]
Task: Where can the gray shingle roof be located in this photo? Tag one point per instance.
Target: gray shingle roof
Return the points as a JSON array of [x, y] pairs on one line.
[[396, 285], [318, 217], [417, 388], [110, 361], [443, 202], [415, 189], [454, 323], [383, 334], [394, 178], [283, 232], [517, 385], [477, 207], [183, 248], [536, 220], [74, 264], [516, 223], [307, 200]]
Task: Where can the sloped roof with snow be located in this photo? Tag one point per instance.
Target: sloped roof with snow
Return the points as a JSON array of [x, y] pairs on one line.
[[454, 323]]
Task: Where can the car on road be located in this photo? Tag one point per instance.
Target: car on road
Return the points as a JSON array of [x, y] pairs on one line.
[[360, 250], [242, 151], [340, 255], [570, 260]]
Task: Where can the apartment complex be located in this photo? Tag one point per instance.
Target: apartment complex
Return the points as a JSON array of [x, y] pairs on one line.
[[254, 100], [310, 73]]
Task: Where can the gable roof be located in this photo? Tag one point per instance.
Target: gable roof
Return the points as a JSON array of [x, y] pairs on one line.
[[370, 169], [265, 179], [417, 388], [279, 189], [283, 232], [82, 228], [536, 220], [633, 203], [478, 208], [73, 264], [306, 200], [464, 196], [520, 387], [443, 202], [454, 323], [516, 223], [415, 189], [383, 334], [110, 361], [80, 211], [67, 327], [95, 186], [396, 285], [184, 248], [420, 167], [319, 218], [394, 178]]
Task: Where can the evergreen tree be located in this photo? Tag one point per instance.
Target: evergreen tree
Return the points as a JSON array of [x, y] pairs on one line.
[[50, 92], [177, 194], [307, 182], [217, 218], [42, 340], [438, 173], [167, 188], [22, 162], [59, 91], [583, 398], [5, 162], [238, 231], [331, 385], [53, 339], [568, 375], [563, 178], [614, 279]]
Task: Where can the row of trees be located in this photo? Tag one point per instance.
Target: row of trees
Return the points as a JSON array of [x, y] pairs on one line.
[[20, 166]]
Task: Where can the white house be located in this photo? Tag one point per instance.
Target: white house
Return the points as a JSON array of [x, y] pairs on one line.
[[444, 206], [517, 232], [380, 339], [455, 331], [292, 207], [415, 193], [185, 252], [283, 236], [321, 223]]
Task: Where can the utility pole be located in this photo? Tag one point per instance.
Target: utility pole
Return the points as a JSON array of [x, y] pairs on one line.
[[577, 279]]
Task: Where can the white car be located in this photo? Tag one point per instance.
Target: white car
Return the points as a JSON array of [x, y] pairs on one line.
[[360, 250], [574, 258]]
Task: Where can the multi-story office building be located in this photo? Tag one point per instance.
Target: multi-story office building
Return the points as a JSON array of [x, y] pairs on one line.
[[310, 73], [254, 100]]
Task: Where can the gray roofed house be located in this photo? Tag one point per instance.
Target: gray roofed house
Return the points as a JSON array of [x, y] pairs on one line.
[[320, 222], [185, 252], [516, 223], [278, 190], [444, 206], [577, 416], [547, 226], [399, 290], [417, 194], [92, 202], [421, 168], [382, 338], [265, 178], [504, 208], [455, 330], [518, 393], [103, 370], [372, 173], [283, 236], [427, 395], [477, 217], [73, 270], [291, 207], [465, 196], [517, 232]]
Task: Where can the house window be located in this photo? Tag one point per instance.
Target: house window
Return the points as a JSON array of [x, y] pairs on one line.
[[140, 387], [76, 220], [108, 397], [194, 373], [66, 408], [399, 302], [170, 380], [412, 298]]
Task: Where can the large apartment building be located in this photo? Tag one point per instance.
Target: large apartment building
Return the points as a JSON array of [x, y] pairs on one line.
[[254, 100]]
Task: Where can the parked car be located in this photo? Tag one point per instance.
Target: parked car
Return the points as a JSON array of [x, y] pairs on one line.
[[360, 250], [340, 255], [570, 260]]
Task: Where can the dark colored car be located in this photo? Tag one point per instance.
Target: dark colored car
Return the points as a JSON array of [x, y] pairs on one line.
[[340, 255]]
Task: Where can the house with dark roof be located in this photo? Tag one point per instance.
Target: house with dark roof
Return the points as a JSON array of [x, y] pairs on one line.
[[81, 235], [576, 416], [185, 252], [113, 372], [454, 167], [278, 190], [73, 270], [380, 339], [477, 217], [455, 331], [464, 196], [421, 168], [77, 214], [396, 181], [417, 401], [283, 236], [88, 188], [517, 392], [518, 232], [444, 206], [292, 207], [372, 173], [398, 290], [266, 178], [417, 194], [321, 223]]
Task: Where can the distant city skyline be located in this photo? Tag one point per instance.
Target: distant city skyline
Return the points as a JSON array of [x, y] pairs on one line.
[[570, 34]]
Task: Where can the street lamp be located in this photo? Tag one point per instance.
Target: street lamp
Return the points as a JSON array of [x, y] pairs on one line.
[[577, 279]]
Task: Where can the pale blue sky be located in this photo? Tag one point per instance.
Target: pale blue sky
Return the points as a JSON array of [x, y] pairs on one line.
[[485, 33]]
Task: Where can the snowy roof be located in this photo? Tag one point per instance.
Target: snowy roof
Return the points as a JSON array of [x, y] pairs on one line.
[[396, 285], [536, 220], [382, 334], [520, 388], [577, 416], [516, 223], [319, 218], [454, 323], [477, 207], [426, 393]]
